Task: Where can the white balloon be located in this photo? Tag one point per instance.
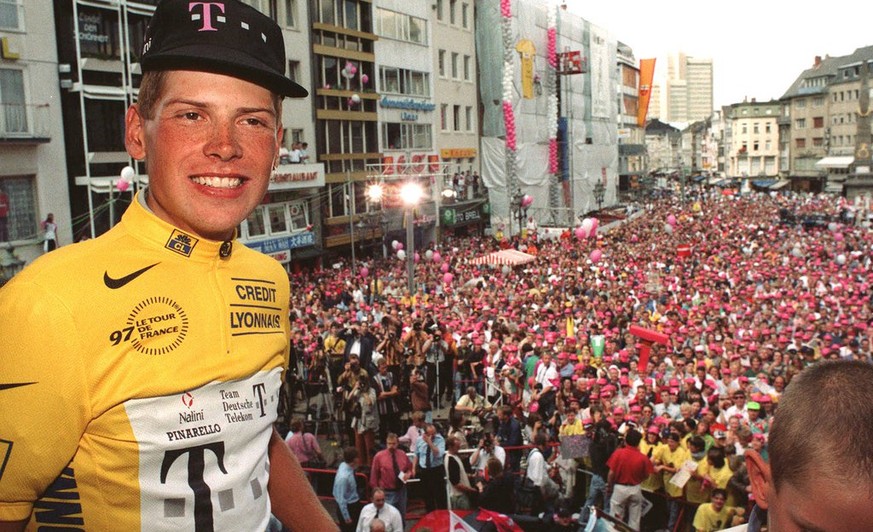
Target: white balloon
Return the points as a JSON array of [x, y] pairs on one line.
[[668, 229], [428, 254], [394, 244], [127, 173], [356, 98], [841, 259], [506, 270], [401, 254]]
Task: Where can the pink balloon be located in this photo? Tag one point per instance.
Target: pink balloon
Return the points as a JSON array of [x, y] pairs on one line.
[[526, 200], [594, 224], [364, 271], [448, 277], [365, 79], [580, 233], [399, 245], [437, 257], [122, 185], [444, 267], [595, 256], [671, 220], [417, 258], [837, 236]]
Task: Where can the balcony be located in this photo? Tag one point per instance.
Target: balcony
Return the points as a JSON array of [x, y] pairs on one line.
[[24, 123]]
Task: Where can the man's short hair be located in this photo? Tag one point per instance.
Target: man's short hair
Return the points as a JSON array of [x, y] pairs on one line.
[[633, 437], [823, 427], [349, 454]]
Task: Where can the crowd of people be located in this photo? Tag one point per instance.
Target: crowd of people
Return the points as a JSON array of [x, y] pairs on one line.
[[528, 357]]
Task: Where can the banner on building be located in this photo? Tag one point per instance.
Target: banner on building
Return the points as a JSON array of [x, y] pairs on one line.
[[527, 50], [647, 75]]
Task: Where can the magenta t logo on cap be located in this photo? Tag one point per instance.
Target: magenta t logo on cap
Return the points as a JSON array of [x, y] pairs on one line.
[[206, 14]]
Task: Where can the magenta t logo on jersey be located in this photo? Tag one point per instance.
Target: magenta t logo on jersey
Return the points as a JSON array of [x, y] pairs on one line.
[[207, 14]]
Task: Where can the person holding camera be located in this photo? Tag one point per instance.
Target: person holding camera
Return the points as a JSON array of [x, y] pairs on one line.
[[473, 406], [489, 447], [348, 382], [360, 341], [365, 419]]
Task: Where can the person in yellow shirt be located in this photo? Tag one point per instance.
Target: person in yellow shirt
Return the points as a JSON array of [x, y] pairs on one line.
[[717, 472], [572, 426], [671, 460], [651, 447], [717, 515], [696, 491]]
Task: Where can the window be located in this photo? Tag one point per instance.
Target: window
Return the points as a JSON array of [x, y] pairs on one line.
[[755, 146], [442, 63], [800, 143], [13, 118], [21, 220], [404, 136], [401, 26], [468, 115], [818, 141], [800, 103], [98, 33], [277, 219], [467, 61], [453, 11], [800, 123], [401, 81], [465, 22], [745, 128], [11, 16], [767, 145], [291, 13], [766, 128], [276, 215], [818, 121], [439, 9], [261, 5], [454, 65], [294, 71], [444, 117], [818, 101], [456, 115], [755, 128], [339, 202], [296, 135]]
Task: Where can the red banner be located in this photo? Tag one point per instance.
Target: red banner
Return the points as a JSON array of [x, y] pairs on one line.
[[647, 76]]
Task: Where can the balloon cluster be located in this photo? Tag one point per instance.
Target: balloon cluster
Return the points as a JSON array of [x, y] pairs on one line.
[[551, 85], [349, 70], [508, 76], [588, 229], [127, 175]]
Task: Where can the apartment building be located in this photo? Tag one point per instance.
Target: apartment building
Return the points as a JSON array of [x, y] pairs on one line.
[[818, 121], [632, 158], [32, 166], [753, 151]]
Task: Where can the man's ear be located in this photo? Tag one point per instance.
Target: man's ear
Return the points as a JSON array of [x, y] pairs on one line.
[[759, 477], [134, 133]]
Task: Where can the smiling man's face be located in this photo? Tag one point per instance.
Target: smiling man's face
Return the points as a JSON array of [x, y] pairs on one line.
[[209, 147]]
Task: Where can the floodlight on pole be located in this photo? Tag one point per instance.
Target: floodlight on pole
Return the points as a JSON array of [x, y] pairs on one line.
[[374, 193], [411, 194]]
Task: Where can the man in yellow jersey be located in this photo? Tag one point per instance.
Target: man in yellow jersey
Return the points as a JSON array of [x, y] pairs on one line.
[[140, 387], [670, 460]]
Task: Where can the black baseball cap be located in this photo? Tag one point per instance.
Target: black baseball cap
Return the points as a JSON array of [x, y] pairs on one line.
[[223, 37]]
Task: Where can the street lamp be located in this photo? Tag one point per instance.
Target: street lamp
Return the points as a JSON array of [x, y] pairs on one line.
[[374, 196], [599, 192], [410, 193]]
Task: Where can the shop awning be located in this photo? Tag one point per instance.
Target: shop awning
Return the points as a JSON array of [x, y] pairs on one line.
[[764, 183], [782, 183], [508, 257], [698, 178], [835, 162]]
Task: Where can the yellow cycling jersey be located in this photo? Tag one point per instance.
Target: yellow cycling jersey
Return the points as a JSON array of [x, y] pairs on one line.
[[139, 382]]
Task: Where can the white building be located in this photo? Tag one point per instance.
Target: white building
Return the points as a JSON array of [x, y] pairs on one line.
[[588, 150], [32, 161]]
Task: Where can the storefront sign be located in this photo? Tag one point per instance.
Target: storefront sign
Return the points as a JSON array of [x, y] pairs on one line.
[[452, 216], [292, 176], [285, 243], [458, 153], [408, 104]]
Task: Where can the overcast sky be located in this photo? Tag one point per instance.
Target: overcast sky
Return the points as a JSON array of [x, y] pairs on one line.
[[758, 47]]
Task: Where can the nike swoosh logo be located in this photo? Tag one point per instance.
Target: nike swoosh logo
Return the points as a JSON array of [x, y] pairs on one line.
[[121, 281], [11, 385]]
